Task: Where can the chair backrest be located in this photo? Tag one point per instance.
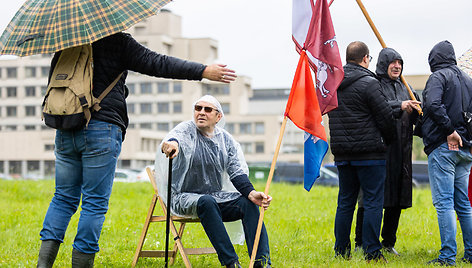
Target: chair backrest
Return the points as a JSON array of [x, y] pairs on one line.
[[153, 180]]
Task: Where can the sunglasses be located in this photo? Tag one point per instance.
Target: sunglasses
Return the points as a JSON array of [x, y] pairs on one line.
[[207, 109]]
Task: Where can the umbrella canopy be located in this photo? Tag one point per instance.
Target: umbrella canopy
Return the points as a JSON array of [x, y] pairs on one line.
[[47, 26], [465, 62]]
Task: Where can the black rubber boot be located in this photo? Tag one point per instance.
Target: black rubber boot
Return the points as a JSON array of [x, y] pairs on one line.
[[82, 260], [47, 253]]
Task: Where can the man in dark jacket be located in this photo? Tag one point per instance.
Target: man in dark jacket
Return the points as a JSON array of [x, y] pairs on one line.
[[360, 129], [398, 182], [447, 143], [86, 158]]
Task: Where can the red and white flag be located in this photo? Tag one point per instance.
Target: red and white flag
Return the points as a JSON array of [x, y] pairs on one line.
[[312, 30]]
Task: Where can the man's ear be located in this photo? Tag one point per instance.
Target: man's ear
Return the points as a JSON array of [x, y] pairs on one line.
[[219, 117]]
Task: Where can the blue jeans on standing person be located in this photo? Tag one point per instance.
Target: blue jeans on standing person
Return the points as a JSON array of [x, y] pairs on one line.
[[355, 175], [449, 180], [85, 167], [213, 214]]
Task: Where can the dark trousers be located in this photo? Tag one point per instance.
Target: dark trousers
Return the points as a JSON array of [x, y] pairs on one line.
[[391, 218], [213, 214], [371, 179]]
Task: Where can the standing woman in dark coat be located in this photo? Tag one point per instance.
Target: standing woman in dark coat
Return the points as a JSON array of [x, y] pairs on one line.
[[398, 183]]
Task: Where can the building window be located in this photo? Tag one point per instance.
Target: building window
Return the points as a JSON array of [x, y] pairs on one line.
[[163, 126], [30, 72], [246, 147], [30, 110], [11, 92], [131, 88], [177, 87], [175, 123], [229, 127], [225, 107], [140, 30], [32, 166], [45, 71], [146, 88], [131, 108], [48, 147], [44, 89], [245, 128], [11, 111], [163, 87], [11, 72], [146, 108], [30, 91], [259, 147], [0, 72], [30, 127], [163, 107], [215, 89], [131, 125], [259, 128], [177, 107], [10, 127], [145, 126], [167, 49]]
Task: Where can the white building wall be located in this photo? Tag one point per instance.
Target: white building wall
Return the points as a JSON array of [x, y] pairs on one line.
[[26, 144]]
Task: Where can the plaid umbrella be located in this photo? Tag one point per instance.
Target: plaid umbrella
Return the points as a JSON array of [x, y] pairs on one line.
[[465, 62], [47, 26]]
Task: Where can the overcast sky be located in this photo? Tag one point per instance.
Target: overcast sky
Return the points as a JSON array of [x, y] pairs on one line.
[[254, 36]]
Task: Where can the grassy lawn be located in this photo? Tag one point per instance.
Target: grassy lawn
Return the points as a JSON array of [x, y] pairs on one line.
[[300, 226]]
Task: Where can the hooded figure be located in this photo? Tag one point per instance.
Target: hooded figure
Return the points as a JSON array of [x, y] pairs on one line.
[[398, 184], [447, 141]]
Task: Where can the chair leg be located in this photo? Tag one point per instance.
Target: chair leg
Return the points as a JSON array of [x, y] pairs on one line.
[[179, 244], [181, 232], [144, 232]]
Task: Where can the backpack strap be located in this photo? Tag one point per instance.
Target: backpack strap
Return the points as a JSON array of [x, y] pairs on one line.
[[96, 106]]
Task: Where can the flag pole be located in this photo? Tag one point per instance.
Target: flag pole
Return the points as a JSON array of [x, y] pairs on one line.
[[266, 192], [382, 43]]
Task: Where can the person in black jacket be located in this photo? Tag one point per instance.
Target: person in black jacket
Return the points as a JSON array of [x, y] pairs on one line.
[[398, 182], [360, 129], [447, 142], [86, 158]]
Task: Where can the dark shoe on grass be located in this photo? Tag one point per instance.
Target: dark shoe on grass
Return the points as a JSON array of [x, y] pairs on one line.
[[467, 259], [441, 262], [234, 265], [376, 257]]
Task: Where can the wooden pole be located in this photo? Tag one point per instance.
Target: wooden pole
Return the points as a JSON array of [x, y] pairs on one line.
[[266, 192], [382, 43]]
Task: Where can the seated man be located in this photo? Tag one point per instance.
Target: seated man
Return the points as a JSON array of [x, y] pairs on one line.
[[210, 181]]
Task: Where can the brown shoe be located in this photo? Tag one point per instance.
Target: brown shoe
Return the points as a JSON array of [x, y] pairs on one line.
[[380, 258]]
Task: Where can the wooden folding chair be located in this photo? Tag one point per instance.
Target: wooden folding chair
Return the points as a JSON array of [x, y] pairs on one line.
[[178, 246]]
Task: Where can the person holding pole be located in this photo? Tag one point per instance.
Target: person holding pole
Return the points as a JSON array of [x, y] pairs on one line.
[[360, 129], [398, 182], [210, 181], [448, 144]]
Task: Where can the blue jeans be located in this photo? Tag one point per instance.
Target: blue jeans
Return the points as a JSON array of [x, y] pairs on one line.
[[212, 215], [449, 180], [85, 167], [371, 179]]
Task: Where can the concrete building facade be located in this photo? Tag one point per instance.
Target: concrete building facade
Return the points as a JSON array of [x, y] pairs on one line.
[[155, 106]]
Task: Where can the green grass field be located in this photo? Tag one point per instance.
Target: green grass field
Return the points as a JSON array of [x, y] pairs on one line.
[[299, 223]]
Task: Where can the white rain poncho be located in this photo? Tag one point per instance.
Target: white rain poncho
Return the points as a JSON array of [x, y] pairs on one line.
[[204, 166]]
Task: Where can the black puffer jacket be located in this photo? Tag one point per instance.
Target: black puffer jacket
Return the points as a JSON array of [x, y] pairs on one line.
[[442, 98], [362, 124], [119, 53], [398, 183]]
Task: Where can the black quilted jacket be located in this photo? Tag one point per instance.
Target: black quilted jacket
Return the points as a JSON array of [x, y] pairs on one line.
[[362, 124], [119, 53]]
